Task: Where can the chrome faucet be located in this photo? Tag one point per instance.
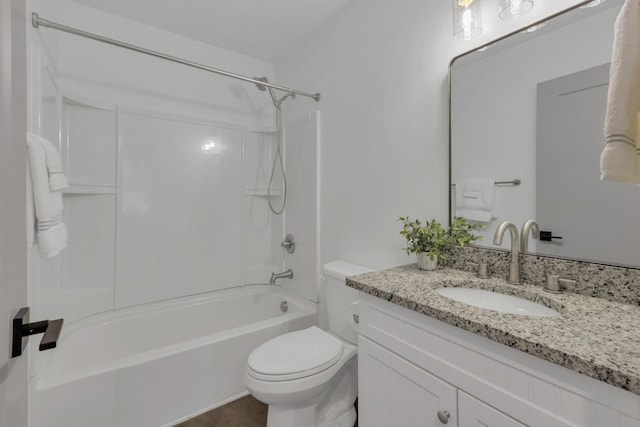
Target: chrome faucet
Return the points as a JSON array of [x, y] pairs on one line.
[[529, 227], [284, 275], [514, 262]]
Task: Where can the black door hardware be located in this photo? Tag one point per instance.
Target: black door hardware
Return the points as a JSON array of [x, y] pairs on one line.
[[547, 236], [22, 329]]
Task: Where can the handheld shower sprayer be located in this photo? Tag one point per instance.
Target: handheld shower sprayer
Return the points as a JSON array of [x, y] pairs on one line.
[[276, 102], [277, 159], [281, 100]]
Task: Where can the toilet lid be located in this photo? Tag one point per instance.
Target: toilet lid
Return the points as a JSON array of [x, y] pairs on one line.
[[295, 355]]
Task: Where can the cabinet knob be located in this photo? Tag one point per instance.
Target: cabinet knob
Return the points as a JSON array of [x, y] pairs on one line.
[[444, 416]]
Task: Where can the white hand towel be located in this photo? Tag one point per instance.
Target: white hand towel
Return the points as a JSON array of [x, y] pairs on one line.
[[57, 180], [51, 232], [475, 200], [620, 159], [31, 214]]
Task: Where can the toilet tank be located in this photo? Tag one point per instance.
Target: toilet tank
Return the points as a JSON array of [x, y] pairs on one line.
[[342, 301]]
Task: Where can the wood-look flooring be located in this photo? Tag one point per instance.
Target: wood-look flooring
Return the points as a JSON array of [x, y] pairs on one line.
[[245, 412]]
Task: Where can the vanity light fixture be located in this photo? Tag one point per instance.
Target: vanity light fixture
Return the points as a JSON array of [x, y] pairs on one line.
[[487, 47], [511, 9], [592, 4], [466, 19], [533, 28]]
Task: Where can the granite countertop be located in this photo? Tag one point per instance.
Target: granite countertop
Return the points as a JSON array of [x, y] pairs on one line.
[[593, 336]]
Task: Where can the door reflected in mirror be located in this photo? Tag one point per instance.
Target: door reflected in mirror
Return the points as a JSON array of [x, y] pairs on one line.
[[532, 108]]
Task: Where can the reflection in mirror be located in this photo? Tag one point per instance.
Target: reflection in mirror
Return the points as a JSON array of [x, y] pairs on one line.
[[532, 108], [48, 117]]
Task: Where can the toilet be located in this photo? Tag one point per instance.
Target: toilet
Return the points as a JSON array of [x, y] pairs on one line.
[[309, 377]]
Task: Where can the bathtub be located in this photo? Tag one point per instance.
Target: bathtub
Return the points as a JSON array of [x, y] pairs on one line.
[[160, 363]]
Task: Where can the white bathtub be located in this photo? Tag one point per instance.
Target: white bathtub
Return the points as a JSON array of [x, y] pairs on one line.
[[161, 363]]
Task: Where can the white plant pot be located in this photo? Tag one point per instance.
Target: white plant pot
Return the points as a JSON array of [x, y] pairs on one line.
[[425, 262]]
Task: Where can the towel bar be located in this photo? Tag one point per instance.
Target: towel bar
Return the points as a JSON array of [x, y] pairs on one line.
[[514, 182]]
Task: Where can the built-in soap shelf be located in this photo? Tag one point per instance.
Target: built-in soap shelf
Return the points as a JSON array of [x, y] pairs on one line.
[[264, 131], [87, 190], [262, 192], [82, 101]]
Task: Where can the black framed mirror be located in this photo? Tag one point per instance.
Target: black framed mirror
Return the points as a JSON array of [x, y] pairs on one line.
[[526, 120]]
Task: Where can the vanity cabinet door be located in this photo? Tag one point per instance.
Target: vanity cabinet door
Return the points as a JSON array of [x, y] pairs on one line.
[[474, 413], [395, 392]]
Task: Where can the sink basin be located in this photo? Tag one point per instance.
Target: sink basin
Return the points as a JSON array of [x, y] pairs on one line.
[[497, 302]]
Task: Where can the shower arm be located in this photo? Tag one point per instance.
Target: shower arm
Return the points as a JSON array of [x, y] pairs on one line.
[[37, 22]]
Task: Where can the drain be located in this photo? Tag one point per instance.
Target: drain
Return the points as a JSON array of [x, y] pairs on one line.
[[284, 306]]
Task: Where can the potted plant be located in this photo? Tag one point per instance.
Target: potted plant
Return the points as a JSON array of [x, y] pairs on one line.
[[426, 240], [429, 240]]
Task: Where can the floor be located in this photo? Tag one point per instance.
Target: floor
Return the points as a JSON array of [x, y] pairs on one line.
[[245, 412]]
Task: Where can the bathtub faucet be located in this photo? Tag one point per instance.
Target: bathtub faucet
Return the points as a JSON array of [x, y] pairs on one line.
[[284, 275]]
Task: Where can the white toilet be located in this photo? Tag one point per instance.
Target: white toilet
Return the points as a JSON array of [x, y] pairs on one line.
[[309, 377]]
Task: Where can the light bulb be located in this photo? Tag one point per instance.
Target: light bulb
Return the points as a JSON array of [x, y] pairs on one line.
[[534, 27], [510, 9], [468, 19], [592, 4], [515, 6]]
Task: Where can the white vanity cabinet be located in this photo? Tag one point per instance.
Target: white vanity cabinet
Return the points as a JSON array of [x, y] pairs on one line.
[[474, 413], [417, 371], [394, 392]]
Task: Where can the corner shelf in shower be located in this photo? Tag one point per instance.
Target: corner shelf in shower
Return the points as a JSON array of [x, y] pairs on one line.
[[264, 131], [89, 190], [262, 192]]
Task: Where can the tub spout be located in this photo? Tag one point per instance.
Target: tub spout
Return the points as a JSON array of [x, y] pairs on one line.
[[284, 275]]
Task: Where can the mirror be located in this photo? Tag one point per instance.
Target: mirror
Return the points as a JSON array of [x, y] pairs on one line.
[[531, 108]]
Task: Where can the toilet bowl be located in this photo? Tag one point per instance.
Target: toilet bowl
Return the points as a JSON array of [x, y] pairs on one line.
[[309, 377]]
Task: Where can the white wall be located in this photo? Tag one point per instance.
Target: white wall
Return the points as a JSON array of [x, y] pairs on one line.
[[382, 70], [301, 213]]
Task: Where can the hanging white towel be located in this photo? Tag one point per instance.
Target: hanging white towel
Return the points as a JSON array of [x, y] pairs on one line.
[[51, 232], [31, 214], [57, 180], [475, 200], [620, 159]]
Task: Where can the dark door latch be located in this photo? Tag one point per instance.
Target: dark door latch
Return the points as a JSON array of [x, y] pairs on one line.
[[22, 329], [547, 236]]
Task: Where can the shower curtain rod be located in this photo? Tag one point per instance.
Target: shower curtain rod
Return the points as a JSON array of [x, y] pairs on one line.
[[36, 21]]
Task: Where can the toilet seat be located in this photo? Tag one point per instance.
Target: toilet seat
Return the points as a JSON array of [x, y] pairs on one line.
[[295, 355]]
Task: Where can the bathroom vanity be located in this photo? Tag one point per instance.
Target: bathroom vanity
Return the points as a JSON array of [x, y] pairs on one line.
[[425, 359], [526, 113]]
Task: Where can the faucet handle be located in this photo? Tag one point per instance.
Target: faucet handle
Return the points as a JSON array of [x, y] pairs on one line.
[[482, 269], [289, 244], [555, 283]]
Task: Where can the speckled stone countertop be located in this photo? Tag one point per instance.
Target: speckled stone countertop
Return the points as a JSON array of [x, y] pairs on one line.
[[593, 336]]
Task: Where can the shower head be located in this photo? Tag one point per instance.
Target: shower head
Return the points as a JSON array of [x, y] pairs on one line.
[[258, 85], [263, 88]]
